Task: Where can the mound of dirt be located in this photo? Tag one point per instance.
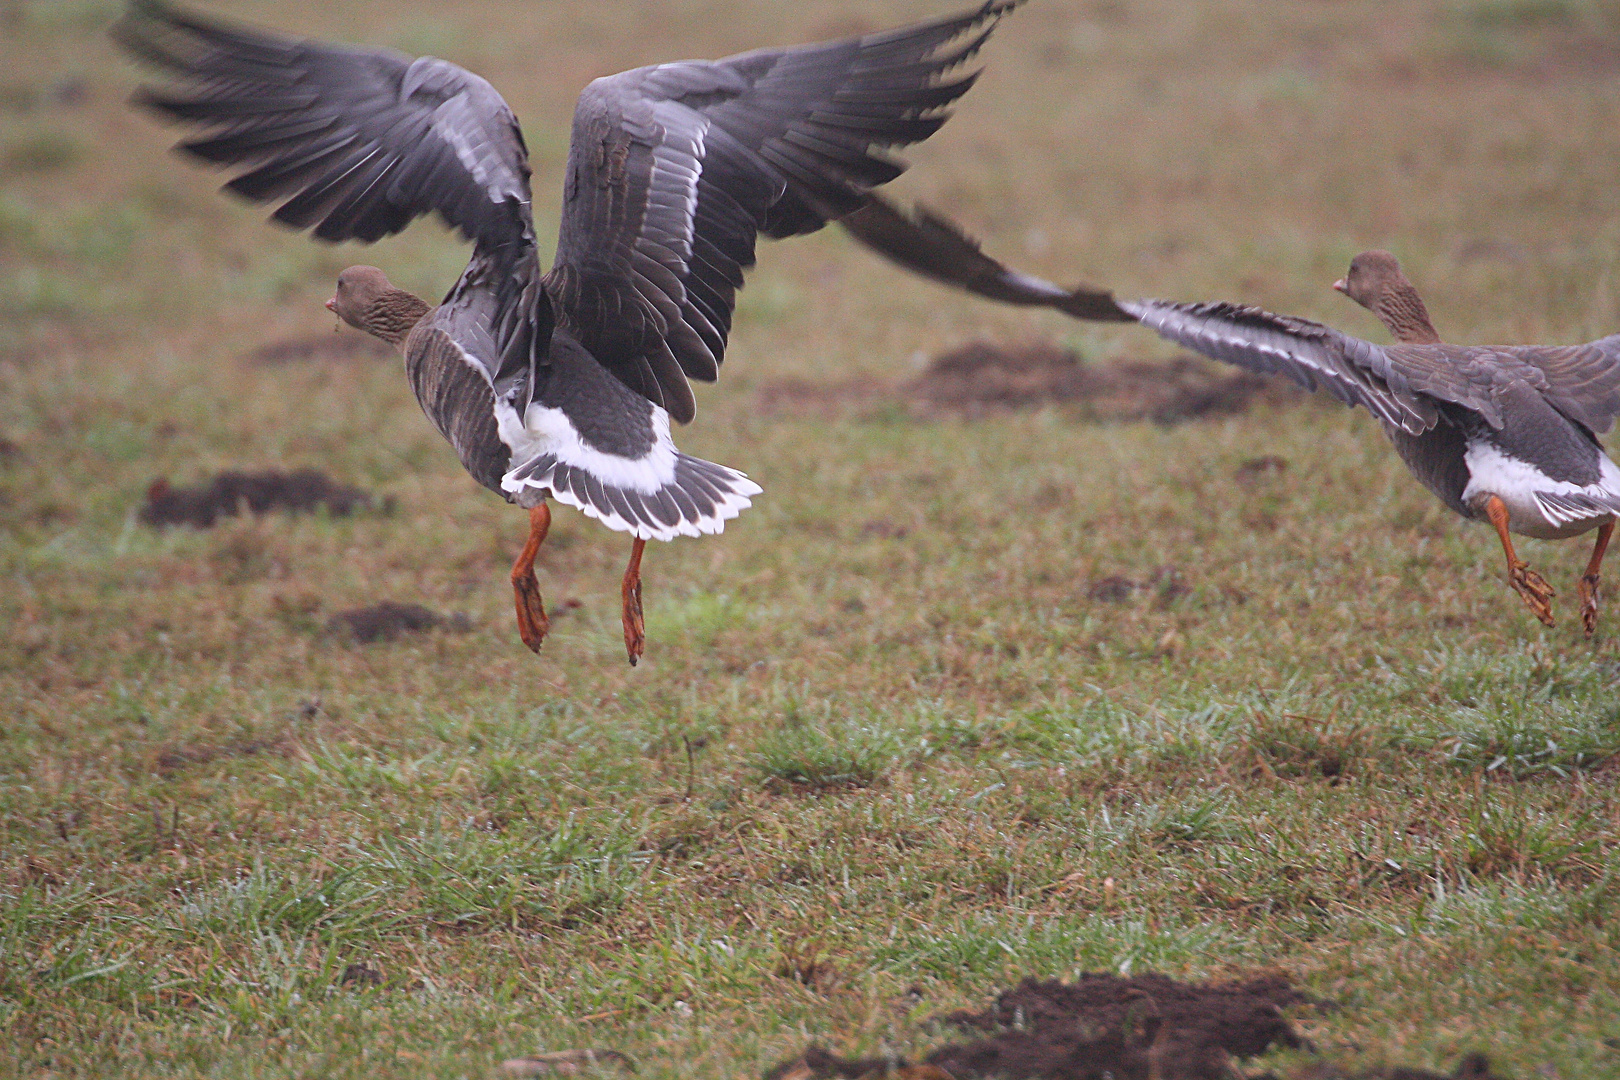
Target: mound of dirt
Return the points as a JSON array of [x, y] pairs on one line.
[[1266, 466], [1130, 1026], [1166, 582], [229, 492], [1472, 1067], [1106, 1027], [172, 758], [982, 378], [320, 348], [389, 621]]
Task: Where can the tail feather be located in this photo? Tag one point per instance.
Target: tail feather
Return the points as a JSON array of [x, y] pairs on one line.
[[699, 498]]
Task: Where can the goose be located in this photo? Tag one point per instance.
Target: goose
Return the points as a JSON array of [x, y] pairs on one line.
[[562, 384], [1552, 450], [1506, 434]]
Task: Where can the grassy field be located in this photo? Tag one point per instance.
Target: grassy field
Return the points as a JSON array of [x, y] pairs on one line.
[[886, 735]]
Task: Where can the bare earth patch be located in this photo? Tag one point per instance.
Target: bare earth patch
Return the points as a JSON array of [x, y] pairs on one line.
[[171, 759], [390, 620], [984, 378], [320, 348], [1137, 1028], [303, 491]]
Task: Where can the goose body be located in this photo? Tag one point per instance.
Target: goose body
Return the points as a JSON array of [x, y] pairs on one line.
[[1550, 472], [562, 384], [1502, 434], [585, 440], [1518, 422]]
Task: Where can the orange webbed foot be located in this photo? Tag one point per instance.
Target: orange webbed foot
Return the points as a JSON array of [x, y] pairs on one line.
[[1534, 590], [533, 623], [635, 627], [1589, 603]]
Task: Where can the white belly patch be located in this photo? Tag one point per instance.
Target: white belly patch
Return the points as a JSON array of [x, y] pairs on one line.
[[1518, 484]]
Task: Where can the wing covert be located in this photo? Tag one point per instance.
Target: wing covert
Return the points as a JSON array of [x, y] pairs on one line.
[[1583, 381]]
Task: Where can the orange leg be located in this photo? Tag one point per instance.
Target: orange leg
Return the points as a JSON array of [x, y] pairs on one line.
[[531, 613], [1530, 586], [1589, 583], [635, 629]]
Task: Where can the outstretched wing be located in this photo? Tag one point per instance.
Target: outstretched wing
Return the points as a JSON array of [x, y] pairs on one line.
[[358, 142], [674, 169], [935, 247], [1317, 357], [1402, 385]]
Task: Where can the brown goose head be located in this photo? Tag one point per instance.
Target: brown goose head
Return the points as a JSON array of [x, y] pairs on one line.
[[366, 300], [1376, 283]]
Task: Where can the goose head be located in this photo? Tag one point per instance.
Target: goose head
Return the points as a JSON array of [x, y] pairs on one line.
[[1376, 283], [367, 300]]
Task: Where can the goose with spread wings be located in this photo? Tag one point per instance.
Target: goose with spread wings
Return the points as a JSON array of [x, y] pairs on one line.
[[562, 384], [1506, 434]]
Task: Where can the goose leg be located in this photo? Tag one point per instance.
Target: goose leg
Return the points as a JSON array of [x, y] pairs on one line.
[[1589, 582], [1530, 586], [635, 629], [531, 612]]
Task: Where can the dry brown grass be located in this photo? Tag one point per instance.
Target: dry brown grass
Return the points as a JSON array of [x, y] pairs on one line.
[[888, 721]]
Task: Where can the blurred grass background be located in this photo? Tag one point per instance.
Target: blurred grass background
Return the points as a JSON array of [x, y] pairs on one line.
[[884, 721]]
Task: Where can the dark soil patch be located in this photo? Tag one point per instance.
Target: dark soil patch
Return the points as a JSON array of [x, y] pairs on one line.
[[171, 759], [227, 494], [1114, 589], [885, 530], [389, 621], [983, 378], [1166, 583], [1105, 1027], [818, 1064], [1260, 468], [1472, 1067], [360, 974], [1130, 1026], [320, 348]]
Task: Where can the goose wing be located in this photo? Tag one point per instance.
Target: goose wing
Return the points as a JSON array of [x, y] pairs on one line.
[[935, 247], [675, 169], [1580, 381], [1317, 357], [358, 142], [1583, 381]]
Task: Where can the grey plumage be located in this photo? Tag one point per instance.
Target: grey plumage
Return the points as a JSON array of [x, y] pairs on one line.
[[457, 401], [1315, 356], [1544, 406], [935, 247]]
